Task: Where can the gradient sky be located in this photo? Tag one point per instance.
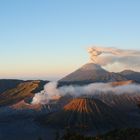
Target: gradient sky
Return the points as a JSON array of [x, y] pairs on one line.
[[47, 39]]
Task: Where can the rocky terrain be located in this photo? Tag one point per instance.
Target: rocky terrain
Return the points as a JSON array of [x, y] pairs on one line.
[[22, 91], [90, 115], [86, 113]]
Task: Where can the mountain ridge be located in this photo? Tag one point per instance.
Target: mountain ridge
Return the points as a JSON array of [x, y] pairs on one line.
[[90, 73], [131, 75]]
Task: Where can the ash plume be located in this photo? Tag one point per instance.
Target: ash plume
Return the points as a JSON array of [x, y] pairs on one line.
[[50, 91], [109, 57], [101, 56]]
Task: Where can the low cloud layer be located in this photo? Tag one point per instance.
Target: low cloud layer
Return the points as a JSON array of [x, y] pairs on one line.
[[117, 58], [51, 91]]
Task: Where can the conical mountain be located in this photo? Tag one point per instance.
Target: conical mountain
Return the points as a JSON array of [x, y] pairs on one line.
[[89, 73], [87, 113]]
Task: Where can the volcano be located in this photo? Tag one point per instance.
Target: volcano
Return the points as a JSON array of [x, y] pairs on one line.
[[86, 113], [90, 73]]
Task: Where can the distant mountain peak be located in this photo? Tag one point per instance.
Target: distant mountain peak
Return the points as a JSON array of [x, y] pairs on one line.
[[131, 75], [90, 73], [91, 66], [128, 71]]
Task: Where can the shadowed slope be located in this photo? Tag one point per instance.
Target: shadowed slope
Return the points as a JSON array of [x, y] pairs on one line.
[[123, 102], [86, 113], [6, 84], [120, 134], [131, 75]]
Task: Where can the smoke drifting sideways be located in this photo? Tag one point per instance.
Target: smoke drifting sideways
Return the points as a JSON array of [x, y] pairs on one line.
[[113, 57], [50, 91]]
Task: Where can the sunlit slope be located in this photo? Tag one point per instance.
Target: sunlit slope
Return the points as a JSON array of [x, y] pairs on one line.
[[22, 91], [87, 113]]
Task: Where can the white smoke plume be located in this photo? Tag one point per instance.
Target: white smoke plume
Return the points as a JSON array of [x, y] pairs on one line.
[[50, 91], [113, 57]]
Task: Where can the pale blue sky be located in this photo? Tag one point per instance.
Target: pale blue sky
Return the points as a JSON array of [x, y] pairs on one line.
[[48, 38]]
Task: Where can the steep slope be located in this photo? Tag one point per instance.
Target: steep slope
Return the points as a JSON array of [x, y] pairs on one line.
[[87, 113], [22, 105], [23, 91], [91, 73], [124, 102], [6, 84], [131, 75]]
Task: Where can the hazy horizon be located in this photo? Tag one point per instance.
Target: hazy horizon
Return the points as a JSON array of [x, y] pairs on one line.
[[48, 39]]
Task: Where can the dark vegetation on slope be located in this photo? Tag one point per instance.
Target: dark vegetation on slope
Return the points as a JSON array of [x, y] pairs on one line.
[[122, 134]]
